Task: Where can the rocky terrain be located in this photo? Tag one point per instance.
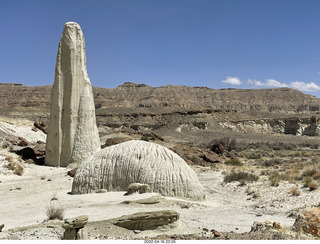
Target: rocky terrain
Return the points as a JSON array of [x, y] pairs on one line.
[[255, 152], [139, 108], [131, 95]]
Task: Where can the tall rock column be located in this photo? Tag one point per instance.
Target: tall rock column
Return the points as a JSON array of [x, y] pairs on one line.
[[72, 133]]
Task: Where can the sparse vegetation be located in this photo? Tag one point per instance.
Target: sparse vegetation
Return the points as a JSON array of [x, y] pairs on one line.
[[312, 186], [228, 143], [196, 160], [295, 191], [272, 162], [252, 155], [145, 138], [240, 176], [275, 178], [16, 167], [306, 180], [54, 211], [312, 171], [293, 175], [5, 145], [233, 162]]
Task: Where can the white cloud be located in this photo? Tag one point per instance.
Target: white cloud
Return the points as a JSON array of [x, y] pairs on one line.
[[256, 82], [232, 80], [302, 86], [272, 82], [269, 82]]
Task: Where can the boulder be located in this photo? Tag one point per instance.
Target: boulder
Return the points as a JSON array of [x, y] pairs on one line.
[[27, 153], [114, 168], [211, 158], [217, 148], [147, 220], [72, 172], [72, 133], [23, 142], [75, 228], [137, 187], [39, 124], [309, 221], [29, 161]]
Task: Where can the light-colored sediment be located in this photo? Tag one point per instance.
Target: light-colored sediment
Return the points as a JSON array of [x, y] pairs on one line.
[[72, 115], [114, 168]]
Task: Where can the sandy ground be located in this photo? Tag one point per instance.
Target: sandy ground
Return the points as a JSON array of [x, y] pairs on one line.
[[228, 207]]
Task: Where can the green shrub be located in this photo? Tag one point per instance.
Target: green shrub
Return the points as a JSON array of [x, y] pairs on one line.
[[272, 162], [253, 156], [196, 160], [306, 180], [145, 138], [241, 177], [275, 178], [233, 162]]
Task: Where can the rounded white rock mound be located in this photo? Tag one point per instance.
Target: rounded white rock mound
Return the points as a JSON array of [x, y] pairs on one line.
[[116, 167]]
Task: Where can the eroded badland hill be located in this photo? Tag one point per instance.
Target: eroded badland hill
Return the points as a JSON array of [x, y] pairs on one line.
[[180, 112]]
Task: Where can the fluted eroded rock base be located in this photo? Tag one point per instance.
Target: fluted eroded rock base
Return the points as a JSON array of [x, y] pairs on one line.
[[116, 167]]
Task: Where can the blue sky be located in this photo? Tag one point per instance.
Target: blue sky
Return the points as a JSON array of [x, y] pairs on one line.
[[212, 43]]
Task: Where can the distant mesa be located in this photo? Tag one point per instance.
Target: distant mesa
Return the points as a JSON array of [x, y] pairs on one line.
[[131, 84], [11, 84]]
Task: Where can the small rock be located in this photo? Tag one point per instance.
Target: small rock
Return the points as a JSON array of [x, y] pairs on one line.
[[1, 227], [72, 172], [215, 233], [40, 150], [41, 125], [277, 225], [136, 231], [29, 161], [23, 142]]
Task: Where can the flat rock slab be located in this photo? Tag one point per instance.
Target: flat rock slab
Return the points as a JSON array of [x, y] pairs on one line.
[[147, 220], [150, 200]]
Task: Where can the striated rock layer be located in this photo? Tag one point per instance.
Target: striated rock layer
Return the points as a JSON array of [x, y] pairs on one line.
[[116, 167], [72, 133]]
